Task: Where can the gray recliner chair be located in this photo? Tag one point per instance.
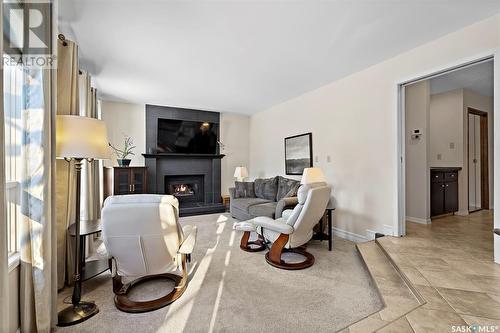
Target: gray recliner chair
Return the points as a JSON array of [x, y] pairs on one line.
[[292, 231]]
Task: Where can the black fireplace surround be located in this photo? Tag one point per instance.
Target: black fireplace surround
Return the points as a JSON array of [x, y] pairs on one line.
[[195, 179]]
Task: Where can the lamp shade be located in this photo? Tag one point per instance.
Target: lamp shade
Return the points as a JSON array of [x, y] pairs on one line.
[[241, 172], [81, 137], [312, 175]]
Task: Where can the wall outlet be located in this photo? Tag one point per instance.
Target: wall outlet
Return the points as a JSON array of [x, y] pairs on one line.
[[439, 157]]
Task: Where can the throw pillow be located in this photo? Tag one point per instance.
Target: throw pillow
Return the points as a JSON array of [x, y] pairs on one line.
[[244, 190], [287, 188], [266, 188]]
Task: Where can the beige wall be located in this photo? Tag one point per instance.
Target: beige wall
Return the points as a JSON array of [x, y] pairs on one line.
[[354, 120], [417, 99], [446, 124], [131, 119], [234, 134]]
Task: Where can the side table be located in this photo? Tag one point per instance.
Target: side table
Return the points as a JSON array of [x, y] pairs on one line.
[[321, 235], [95, 267], [226, 201]]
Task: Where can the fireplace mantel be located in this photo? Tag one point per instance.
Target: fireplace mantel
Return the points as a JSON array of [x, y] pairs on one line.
[[167, 155]]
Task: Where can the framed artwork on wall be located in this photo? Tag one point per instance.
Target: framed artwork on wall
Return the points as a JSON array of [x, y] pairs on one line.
[[298, 153]]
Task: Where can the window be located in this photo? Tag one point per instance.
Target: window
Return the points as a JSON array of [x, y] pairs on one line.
[[13, 106]]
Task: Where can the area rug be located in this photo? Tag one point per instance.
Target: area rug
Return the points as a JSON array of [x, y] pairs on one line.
[[235, 291]]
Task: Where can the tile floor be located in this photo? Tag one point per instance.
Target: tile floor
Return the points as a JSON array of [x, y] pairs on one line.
[[448, 265]]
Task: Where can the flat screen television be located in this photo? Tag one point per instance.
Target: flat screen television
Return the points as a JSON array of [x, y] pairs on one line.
[[187, 137]]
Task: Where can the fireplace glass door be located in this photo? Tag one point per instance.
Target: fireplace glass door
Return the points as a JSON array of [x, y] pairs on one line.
[[188, 188]]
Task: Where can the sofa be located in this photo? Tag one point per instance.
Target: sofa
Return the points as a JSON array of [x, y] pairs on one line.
[[263, 197]]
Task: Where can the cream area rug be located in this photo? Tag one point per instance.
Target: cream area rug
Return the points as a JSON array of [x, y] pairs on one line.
[[235, 291]]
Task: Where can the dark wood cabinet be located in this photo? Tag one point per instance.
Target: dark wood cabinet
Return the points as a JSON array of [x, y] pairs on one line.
[[125, 180], [444, 191]]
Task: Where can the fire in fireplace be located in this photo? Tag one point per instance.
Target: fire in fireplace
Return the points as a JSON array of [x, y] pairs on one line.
[[186, 188], [183, 190]]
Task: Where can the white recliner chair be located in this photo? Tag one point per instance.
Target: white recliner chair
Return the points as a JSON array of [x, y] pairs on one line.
[[145, 241], [292, 231]]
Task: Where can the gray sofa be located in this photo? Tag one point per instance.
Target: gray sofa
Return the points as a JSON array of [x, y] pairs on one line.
[[263, 197]]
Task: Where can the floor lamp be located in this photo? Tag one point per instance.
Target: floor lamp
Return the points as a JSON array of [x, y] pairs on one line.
[[77, 139]]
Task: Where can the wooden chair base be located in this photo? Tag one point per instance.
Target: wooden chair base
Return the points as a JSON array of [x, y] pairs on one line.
[[123, 303], [252, 246], [273, 257], [308, 262]]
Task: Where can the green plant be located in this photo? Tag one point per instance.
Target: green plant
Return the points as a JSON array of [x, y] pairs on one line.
[[128, 147]]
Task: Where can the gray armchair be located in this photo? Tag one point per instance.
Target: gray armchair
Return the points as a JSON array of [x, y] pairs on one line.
[[291, 232]]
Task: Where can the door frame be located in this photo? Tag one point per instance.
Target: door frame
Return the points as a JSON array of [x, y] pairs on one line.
[[493, 55], [484, 144]]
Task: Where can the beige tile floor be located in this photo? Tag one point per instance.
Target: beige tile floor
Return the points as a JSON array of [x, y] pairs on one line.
[[449, 268]]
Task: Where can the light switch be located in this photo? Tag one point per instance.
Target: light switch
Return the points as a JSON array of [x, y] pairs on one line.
[[452, 145], [439, 157], [328, 158], [316, 159]]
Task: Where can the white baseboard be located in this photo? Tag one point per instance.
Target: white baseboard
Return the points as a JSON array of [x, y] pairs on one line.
[[418, 220], [462, 213], [370, 234], [350, 236], [389, 230]]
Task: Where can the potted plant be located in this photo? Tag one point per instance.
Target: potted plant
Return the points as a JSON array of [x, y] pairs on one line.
[[122, 154]]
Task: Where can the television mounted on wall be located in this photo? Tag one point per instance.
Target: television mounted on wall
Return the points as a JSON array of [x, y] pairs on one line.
[[187, 137]]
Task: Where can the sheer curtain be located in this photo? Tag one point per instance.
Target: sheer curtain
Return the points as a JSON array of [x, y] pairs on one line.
[[38, 285], [4, 271]]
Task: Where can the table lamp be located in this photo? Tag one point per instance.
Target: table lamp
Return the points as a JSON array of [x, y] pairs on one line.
[[240, 173], [79, 138], [312, 175]]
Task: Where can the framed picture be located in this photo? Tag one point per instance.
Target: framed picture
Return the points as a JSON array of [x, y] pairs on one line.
[[298, 153]]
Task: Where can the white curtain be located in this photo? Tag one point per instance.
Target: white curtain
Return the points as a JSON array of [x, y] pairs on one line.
[[4, 271], [38, 291]]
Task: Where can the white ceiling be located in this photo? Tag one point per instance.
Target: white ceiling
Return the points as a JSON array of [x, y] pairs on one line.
[[478, 78], [246, 56]]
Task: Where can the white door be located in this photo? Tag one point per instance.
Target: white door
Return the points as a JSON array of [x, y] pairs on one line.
[[474, 162]]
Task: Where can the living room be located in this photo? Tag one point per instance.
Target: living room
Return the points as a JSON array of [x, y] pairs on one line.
[[167, 165]]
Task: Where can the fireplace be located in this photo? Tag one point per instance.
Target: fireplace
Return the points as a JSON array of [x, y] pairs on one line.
[[195, 179], [186, 188]]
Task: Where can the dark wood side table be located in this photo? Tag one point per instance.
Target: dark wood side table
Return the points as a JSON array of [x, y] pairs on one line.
[[321, 235], [95, 267], [225, 201]]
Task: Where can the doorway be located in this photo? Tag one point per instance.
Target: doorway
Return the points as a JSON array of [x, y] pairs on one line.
[[447, 156], [478, 180]]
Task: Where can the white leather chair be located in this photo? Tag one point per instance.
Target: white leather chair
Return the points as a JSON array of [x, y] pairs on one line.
[[145, 241], [292, 231]]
